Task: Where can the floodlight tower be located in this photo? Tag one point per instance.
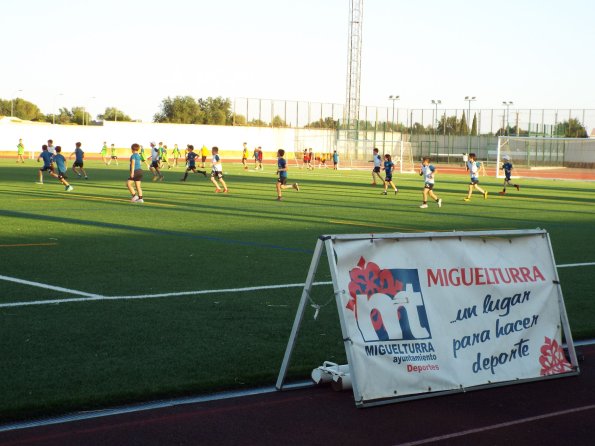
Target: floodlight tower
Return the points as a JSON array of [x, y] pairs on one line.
[[354, 65]]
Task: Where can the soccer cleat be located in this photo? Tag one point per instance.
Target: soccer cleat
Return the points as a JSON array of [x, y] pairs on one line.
[[155, 178], [140, 200], [485, 195], [86, 178], [439, 202], [161, 178], [69, 188], [296, 186], [279, 199], [396, 191], [135, 199], [217, 190], [424, 206], [517, 186], [79, 175], [225, 191], [466, 199], [501, 193], [373, 184]]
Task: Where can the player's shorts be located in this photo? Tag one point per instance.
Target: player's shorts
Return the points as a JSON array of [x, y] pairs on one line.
[[376, 169], [244, 159], [282, 180], [155, 164], [429, 186], [216, 174], [77, 164], [46, 168], [62, 175], [114, 157], [137, 175], [191, 168], [20, 153], [388, 177], [507, 176], [474, 181]]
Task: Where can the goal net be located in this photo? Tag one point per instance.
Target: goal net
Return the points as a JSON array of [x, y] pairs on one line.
[[531, 156]]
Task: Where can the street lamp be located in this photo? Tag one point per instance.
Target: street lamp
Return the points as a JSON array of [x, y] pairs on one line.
[[12, 105], [469, 99], [54, 107], [394, 99], [436, 102], [507, 104]]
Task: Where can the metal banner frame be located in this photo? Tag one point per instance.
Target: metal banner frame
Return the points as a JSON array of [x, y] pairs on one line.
[[326, 243]]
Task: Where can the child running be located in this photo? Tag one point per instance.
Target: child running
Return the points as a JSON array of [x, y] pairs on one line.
[[191, 162], [507, 168], [104, 152], [473, 167], [136, 176], [61, 168], [335, 160], [20, 152], [376, 170], [155, 155], [245, 156], [176, 154], [78, 161], [427, 171], [164, 157], [388, 169], [282, 172], [217, 171], [46, 156], [114, 155]]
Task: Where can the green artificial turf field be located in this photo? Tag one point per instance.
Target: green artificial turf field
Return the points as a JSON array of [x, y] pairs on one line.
[[86, 354]]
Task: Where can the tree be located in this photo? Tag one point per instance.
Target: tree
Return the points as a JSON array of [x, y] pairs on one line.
[[326, 123], [571, 129], [474, 125], [113, 114], [278, 122], [238, 119], [215, 111], [80, 116], [257, 123], [463, 128], [21, 109]]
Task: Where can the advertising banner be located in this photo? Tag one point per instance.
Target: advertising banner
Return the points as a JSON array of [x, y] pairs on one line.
[[425, 314]]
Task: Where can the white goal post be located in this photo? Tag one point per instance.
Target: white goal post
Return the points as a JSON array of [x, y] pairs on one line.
[[534, 154]]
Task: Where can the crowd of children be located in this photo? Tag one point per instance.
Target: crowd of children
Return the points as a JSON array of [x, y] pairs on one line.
[[52, 155]]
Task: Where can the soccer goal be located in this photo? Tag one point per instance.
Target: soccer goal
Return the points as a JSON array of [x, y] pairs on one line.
[[536, 154], [403, 157]]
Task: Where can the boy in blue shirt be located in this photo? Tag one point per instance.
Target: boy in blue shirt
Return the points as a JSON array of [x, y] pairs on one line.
[[473, 167], [191, 157], [61, 169], [78, 161], [136, 175], [282, 172], [428, 171], [507, 168], [335, 160], [388, 169], [46, 156]]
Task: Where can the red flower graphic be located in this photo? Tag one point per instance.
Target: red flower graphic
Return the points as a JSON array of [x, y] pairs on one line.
[[370, 279], [552, 359]]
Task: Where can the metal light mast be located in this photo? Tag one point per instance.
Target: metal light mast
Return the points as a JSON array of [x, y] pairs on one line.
[[354, 64]]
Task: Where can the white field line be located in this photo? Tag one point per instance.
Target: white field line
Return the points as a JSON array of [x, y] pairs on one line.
[[96, 297]]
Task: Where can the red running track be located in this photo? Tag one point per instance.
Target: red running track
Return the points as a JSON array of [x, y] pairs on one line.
[[550, 412]]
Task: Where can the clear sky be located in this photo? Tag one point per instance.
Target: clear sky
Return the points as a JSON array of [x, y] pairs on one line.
[[133, 53]]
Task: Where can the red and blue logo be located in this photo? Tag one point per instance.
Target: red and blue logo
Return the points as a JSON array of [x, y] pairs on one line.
[[388, 303]]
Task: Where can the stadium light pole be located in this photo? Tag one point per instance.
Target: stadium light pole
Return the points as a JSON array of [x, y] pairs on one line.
[[507, 104], [54, 107], [469, 99], [436, 102], [393, 99], [12, 104]]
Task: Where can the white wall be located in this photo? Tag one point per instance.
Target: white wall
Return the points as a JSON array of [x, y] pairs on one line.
[[123, 134]]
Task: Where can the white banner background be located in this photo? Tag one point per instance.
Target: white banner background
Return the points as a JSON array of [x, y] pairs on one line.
[[414, 330]]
